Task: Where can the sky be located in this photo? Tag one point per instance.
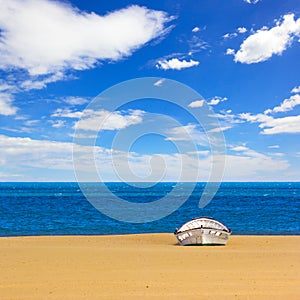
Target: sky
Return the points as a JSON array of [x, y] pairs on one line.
[[57, 58]]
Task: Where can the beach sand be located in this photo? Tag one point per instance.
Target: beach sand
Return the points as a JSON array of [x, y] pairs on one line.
[[148, 266]]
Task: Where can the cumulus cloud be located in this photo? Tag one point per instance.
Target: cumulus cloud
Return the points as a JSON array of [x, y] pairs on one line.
[[230, 51], [197, 103], [67, 113], [48, 37], [195, 29], [286, 105], [37, 84], [5, 87], [91, 120], [265, 43], [230, 35], [252, 1], [6, 107], [289, 124], [20, 153], [235, 34], [256, 167], [188, 132], [76, 100], [36, 153], [270, 125], [242, 30], [6, 98], [239, 148], [296, 89], [216, 100], [176, 64], [58, 124], [227, 120]]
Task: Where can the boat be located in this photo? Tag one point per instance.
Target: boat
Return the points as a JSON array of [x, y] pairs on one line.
[[202, 231]]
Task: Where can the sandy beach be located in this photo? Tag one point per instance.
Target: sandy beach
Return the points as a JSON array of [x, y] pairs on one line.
[[148, 266]]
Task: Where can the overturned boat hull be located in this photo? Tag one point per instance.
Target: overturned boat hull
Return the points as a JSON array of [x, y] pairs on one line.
[[202, 231]]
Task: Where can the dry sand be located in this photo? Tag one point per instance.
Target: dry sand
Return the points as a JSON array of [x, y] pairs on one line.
[[149, 266]]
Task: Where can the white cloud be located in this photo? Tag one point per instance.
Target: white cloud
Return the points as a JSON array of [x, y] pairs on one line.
[[195, 29], [196, 44], [296, 89], [252, 1], [228, 117], [20, 153], [7, 98], [216, 100], [67, 113], [176, 64], [21, 129], [6, 107], [188, 132], [181, 133], [240, 148], [265, 43], [5, 87], [255, 167], [220, 129], [230, 35], [242, 30], [230, 51], [91, 120], [58, 124], [31, 122], [76, 100], [227, 120], [159, 82], [7, 177], [197, 103], [279, 154], [270, 125], [289, 124], [37, 84], [259, 118], [48, 37], [273, 146], [235, 34], [286, 105]]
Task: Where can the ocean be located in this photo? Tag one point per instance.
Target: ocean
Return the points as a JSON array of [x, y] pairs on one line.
[[61, 209]]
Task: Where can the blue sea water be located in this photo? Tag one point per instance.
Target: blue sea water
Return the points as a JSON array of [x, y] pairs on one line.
[[61, 209]]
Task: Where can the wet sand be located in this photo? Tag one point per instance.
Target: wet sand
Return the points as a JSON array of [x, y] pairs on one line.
[[148, 266]]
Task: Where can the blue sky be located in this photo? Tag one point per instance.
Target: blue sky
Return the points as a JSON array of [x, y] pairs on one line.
[[242, 56]]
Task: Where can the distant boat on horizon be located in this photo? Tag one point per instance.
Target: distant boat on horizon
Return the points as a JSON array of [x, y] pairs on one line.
[[202, 231]]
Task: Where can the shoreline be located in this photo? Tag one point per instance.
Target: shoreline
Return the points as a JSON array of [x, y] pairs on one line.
[[146, 266], [138, 234], [134, 234]]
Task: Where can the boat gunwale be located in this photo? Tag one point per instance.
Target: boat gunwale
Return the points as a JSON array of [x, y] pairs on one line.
[[226, 229], [197, 228]]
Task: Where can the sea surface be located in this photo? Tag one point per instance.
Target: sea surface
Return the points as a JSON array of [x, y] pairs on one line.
[[62, 209]]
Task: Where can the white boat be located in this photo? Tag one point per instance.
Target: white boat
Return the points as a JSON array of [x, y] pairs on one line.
[[202, 231]]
